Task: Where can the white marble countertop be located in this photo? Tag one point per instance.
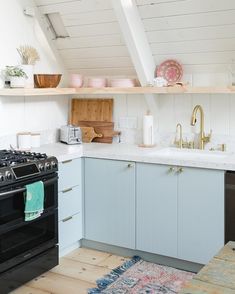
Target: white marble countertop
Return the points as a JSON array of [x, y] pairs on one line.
[[224, 161]]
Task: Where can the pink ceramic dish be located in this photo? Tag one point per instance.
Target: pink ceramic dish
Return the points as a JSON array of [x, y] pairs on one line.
[[76, 81], [123, 83], [97, 82], [171, 70]]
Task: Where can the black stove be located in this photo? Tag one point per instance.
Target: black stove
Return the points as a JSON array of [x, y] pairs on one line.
[[15, 165], [27, 248]]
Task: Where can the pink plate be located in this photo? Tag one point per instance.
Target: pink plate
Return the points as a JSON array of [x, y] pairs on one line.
[[171, 70]]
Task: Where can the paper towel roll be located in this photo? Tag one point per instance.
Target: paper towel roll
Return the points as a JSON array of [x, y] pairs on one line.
[[148, 130]]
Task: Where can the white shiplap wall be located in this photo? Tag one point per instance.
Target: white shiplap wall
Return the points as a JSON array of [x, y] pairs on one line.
[[199, 33], [96, 46]]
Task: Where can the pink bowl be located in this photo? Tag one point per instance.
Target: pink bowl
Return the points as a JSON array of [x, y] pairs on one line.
[[76, 81], [97, 82], [123, 83]]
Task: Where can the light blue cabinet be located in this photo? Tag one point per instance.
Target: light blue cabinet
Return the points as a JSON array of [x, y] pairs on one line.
[[110, 202], [200, 214], [156, 218], [70, 204]]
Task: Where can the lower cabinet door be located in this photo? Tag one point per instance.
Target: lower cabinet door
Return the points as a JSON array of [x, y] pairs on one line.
[[70, 231], [110, 202], [156, 219], [70, 202], [201, 214]]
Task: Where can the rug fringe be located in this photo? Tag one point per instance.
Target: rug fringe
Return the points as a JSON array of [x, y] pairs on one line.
[[108, 279]]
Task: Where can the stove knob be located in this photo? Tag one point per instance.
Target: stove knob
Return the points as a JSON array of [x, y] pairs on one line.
[[48, 166], [41, 167], [54, 164], [1, 178], [8, 175]]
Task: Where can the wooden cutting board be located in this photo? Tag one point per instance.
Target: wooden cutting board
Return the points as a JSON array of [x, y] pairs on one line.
[[88, 134], [104, 128], [91, 110]]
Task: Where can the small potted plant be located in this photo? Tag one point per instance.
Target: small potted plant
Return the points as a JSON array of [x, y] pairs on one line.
[[29, 55], [16, 76]]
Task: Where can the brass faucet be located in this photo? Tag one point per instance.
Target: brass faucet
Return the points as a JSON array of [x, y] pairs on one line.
[[179, 143], [203, 138]]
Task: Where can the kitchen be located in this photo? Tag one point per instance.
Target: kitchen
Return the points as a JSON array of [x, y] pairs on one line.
[[165, 195]]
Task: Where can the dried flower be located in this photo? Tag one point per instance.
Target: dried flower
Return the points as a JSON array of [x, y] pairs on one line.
[[28, 54]]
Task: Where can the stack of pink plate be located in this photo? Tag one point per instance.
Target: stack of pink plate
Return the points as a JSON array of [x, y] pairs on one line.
[[123, 83], [76, 81], [97, 82]]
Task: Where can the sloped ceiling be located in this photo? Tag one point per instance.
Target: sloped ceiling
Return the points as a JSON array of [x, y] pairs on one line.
[[199, 33]]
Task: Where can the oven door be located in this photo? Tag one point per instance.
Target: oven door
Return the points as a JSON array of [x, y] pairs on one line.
[[23, 241], [12, 200]]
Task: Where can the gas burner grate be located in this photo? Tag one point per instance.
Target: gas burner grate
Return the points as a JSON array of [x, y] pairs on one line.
[[14, 157]]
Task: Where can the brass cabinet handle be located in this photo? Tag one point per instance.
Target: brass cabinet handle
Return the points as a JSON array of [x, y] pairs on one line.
[[171, 169], [130, 165], [67, 190], [67, 219], [180, 170], [66, 161]]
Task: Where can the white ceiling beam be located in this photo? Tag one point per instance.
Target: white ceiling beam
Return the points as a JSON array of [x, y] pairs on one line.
[[136, 40], [34, 12]]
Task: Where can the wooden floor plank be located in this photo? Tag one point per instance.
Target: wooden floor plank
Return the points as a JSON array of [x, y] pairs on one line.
[[218, 272], [88, 256], [227, 252], [29, 290], [78, 270], [113, 261], [199, 287], [59, 284]]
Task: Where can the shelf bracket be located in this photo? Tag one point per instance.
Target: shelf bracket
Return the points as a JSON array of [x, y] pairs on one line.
[[138, 46]]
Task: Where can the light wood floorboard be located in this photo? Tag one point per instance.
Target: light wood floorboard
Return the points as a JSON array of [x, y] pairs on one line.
[[76, 273]]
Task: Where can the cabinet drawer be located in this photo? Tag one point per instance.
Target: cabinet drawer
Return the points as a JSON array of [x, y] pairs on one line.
[[69, 173], [70, 202], [70, 231]]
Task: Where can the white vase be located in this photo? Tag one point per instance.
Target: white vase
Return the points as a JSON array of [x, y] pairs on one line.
[[29, 70], [17, 82]]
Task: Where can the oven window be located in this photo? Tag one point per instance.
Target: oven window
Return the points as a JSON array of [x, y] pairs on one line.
[[28, 236], [12, 206]]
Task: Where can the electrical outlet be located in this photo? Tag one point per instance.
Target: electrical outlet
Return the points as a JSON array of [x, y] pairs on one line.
[[128, 122]]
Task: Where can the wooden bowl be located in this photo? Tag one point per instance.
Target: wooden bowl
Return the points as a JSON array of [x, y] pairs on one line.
[[47, 80]]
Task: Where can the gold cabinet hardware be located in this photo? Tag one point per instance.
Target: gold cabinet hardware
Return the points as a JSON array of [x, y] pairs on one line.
[[130, 165], [171, 169], [180, 170], [66, 161], [67, 190], [67, 219]]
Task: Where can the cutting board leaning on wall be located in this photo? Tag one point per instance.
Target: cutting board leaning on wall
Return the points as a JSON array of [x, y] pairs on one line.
[[96, 113]]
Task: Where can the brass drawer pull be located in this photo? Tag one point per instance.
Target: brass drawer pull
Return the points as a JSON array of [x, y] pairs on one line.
[[180, 170], [171, 169], [67, 190], [67, 219], [66, 161]]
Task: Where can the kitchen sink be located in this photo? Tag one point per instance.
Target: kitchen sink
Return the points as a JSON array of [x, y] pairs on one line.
[[190, 153]]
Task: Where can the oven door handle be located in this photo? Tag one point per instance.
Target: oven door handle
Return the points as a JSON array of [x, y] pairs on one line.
[[21, 190]]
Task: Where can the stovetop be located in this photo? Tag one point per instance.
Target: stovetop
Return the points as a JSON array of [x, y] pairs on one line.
[[15, 157], [17, 165]]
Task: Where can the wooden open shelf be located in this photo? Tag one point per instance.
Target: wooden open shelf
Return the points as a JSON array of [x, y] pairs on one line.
[[108, 90]]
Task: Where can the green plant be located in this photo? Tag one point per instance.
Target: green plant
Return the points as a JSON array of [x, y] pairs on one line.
[[28, 54], [15, 71]]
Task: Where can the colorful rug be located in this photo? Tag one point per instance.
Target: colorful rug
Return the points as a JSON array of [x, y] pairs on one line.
[[136, 276]]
